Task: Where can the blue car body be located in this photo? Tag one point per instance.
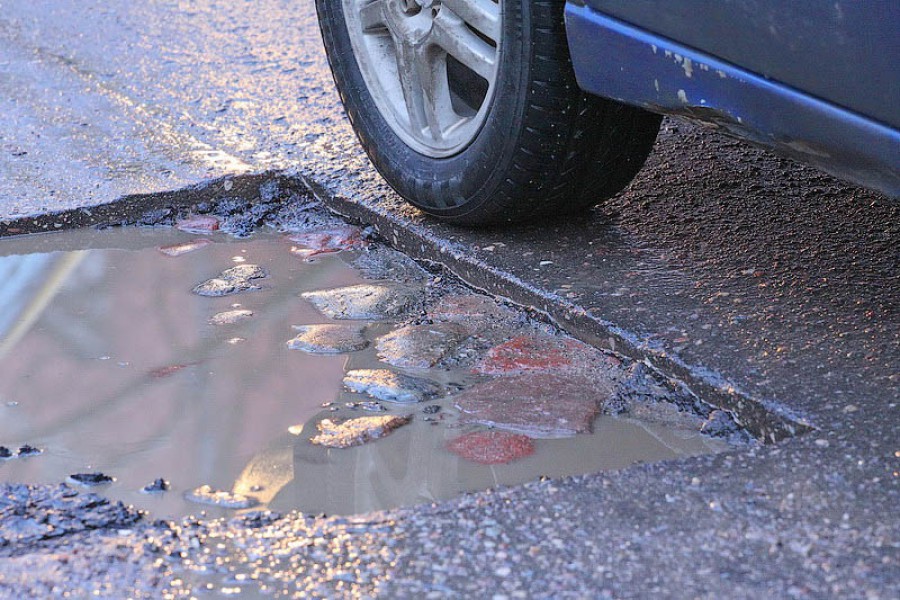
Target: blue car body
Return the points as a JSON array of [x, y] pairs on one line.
[[817, 80]]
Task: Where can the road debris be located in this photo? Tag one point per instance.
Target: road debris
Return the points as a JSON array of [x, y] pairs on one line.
[[230, 317], [357, 431], [29, 450], [539, 405], [365, 302], [329, 339], [390, 386], [91, 479], [232, 281], [157, 486], [534, 353], [420, 346]]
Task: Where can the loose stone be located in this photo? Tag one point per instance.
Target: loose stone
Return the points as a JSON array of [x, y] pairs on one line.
[[91, 479], [179, 249], [432, 409], [205, 494], [358, 431], [366, 405], [232, 281], [329, 339], [29, 450], [365, 302], [390, 386], [538, 405], [229, 317], [158, 486], [420, 346]]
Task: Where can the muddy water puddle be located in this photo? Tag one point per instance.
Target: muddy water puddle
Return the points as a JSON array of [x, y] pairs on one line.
[[114, 362]]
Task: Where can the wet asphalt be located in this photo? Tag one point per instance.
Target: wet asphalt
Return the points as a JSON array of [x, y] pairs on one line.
[[769, 288]]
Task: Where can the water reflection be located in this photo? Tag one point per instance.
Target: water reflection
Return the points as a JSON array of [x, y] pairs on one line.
[[112, 365]]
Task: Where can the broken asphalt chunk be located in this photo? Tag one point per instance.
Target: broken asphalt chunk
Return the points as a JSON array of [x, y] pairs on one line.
[[365, 302], [230, 317], [329, 339], [28, 450], [159, 485], [358, 431], [538, 405], [232, 281], [536, 353], [91, 479], [390, 386], [420, 346]]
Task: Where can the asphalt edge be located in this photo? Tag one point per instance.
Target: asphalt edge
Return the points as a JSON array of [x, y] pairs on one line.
[[768, 421]]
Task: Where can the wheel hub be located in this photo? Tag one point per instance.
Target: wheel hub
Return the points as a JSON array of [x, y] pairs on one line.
[[429, 65], [410, 21]]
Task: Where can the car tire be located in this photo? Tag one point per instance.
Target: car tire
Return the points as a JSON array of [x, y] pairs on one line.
[[521, 141]]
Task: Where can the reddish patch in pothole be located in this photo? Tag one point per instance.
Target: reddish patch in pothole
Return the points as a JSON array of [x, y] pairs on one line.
[[198, 224], [542, 405], [491, 447], [526, 354], [324, 241]]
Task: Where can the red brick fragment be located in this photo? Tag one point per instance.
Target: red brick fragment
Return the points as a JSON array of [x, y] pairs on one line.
[[491, 447], [198, 224], [526, 354]]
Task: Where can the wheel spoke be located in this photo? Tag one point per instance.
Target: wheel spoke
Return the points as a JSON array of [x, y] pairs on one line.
[[433, 74], [423, 62], [372, 16], [483, 15], [411, 85], [451, 34]]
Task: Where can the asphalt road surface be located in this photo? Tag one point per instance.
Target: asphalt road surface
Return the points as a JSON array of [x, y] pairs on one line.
[[769, 288]]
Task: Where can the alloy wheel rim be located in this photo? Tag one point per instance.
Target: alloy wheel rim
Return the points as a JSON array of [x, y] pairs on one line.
[[429, 65]]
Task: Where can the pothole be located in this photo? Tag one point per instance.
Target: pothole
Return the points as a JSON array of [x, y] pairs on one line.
[[327, 373]]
